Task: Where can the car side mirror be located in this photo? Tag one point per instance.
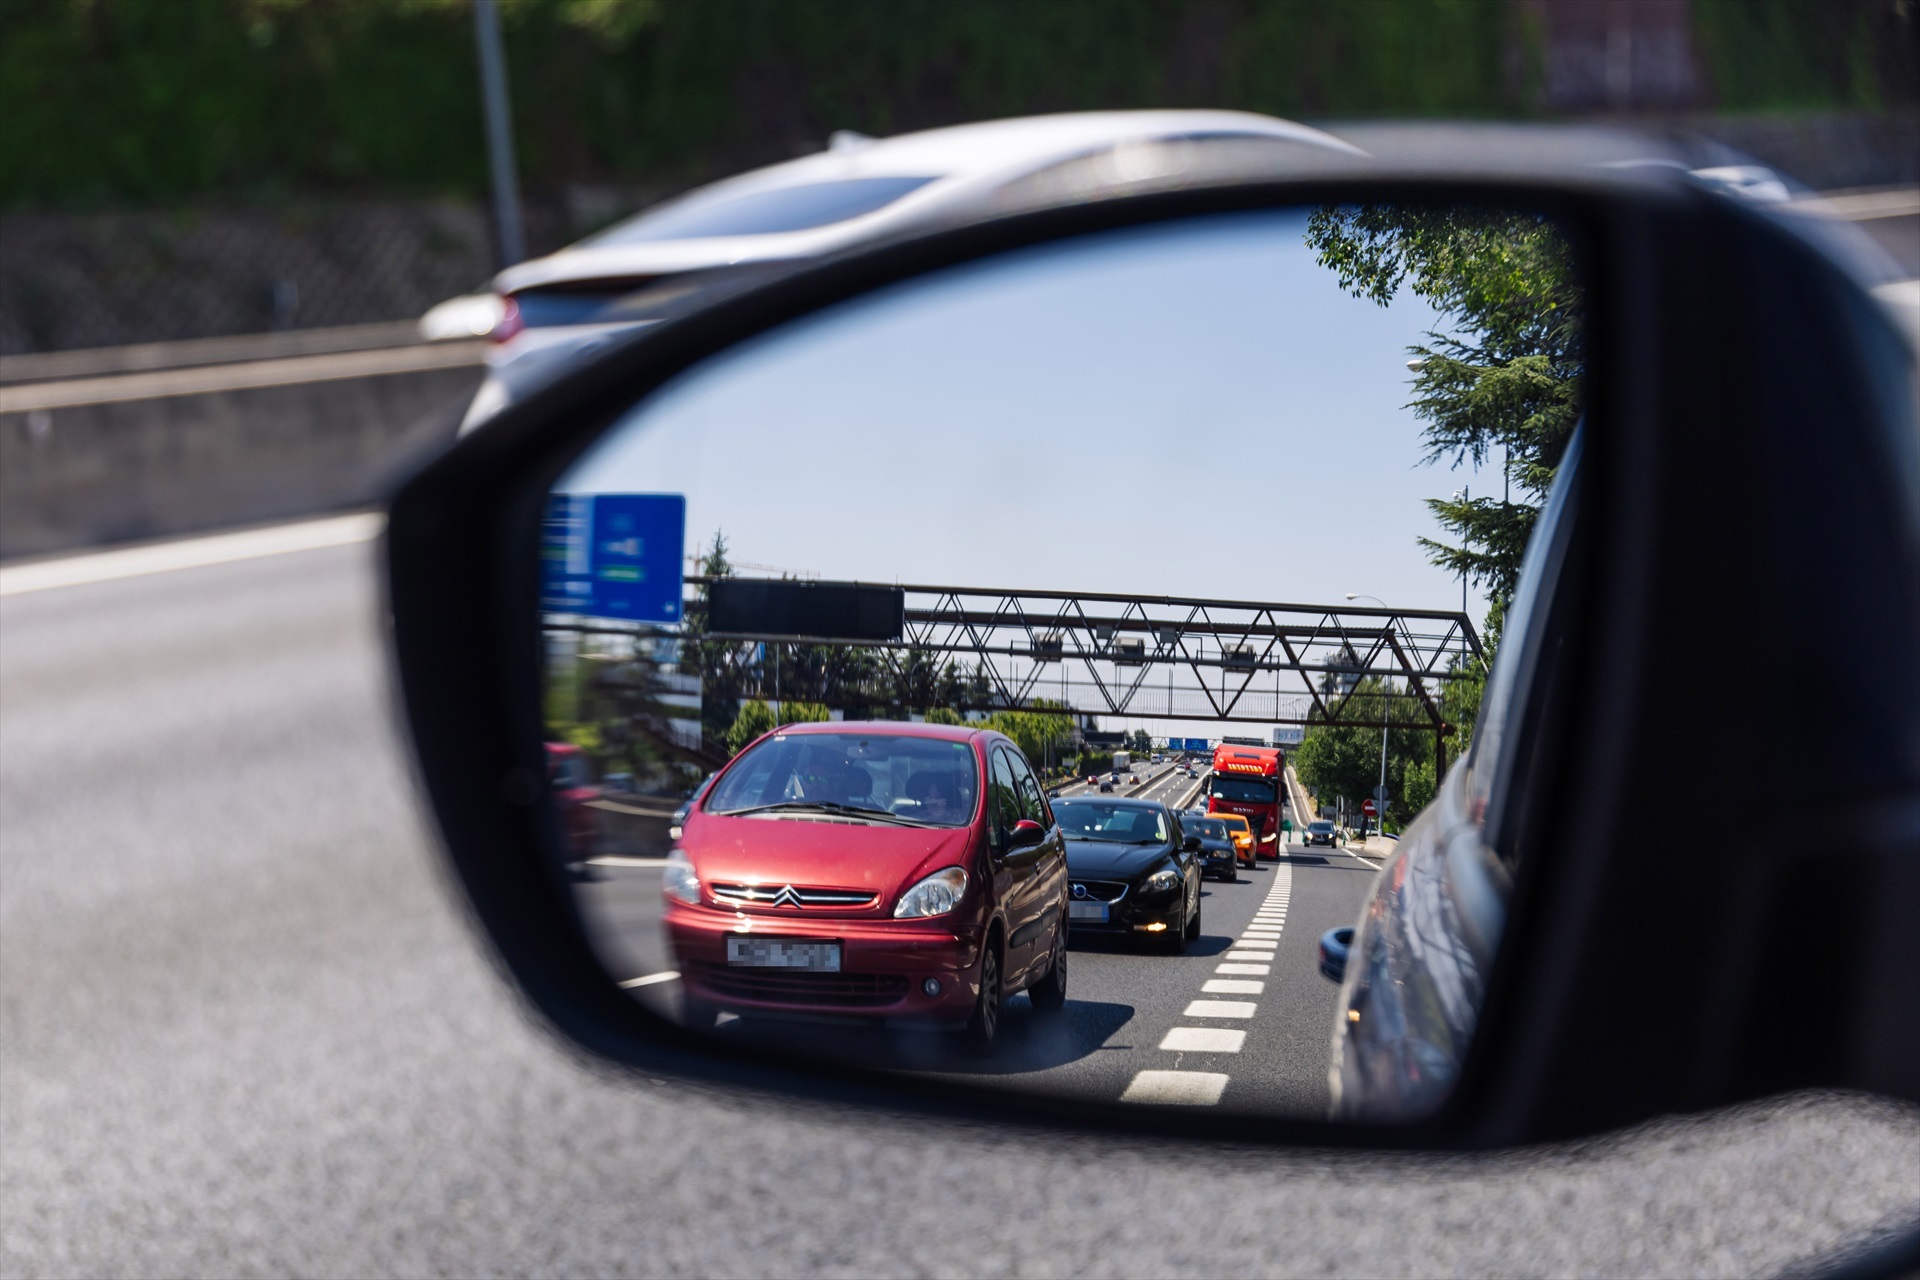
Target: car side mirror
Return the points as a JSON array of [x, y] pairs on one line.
[[539, 590], [1334, 944], [1191, 844]]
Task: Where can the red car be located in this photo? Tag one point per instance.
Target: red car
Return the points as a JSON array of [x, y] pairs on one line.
[[877, 871], [570, 780]]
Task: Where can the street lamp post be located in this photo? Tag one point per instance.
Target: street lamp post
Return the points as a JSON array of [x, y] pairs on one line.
[[1379, 799], [1462, 494], [493, 96]]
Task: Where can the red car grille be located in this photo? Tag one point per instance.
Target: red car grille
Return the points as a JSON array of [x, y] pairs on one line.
[[786, 895], [778, 986]]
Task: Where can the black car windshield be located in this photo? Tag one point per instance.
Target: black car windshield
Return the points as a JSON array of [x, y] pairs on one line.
[[930, 780], [1207, 829], [759, 213], [1321, 826], [1116, 823], [1243, 790]]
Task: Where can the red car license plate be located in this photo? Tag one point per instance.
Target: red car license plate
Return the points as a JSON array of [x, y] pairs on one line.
[[772, 953]]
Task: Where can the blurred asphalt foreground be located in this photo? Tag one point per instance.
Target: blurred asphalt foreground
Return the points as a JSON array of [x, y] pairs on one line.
[[246, 1031]]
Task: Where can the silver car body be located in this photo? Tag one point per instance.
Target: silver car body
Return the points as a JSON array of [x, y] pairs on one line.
[[937, 174]]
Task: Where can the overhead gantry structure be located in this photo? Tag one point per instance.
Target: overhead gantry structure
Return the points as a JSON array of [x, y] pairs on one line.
[[866, 645]]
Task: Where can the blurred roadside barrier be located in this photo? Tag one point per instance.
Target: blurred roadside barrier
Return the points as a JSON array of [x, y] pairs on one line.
[[110, 445]]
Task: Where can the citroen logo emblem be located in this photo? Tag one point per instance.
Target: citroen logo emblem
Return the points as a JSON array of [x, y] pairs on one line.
[[786, 897]]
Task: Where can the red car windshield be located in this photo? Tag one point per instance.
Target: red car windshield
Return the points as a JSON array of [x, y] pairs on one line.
[[930, 780]]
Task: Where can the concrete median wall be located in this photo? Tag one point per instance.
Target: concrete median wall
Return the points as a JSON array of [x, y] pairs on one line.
[[83, 475]]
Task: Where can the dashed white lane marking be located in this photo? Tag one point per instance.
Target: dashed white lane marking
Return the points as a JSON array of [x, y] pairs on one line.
[[649, 979], [1244, 957], [613, 860], [1220, 1009], [190, 553], [1177, 1088], [1204, 1040]]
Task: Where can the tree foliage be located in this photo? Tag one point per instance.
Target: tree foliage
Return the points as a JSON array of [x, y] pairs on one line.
[[757, 717], [111, 101], [1507, 374]]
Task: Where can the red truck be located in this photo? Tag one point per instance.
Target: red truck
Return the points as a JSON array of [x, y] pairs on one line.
[[1246, 780]]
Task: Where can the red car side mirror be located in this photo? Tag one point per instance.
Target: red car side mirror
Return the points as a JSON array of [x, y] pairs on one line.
[[1025, 834]]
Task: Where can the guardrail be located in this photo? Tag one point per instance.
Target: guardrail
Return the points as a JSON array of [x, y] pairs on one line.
[[149, 442]]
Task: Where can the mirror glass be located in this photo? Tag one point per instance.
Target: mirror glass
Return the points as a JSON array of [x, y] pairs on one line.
[[1012, 676]]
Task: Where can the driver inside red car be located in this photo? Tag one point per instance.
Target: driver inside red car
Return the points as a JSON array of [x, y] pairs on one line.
[[937, 797]]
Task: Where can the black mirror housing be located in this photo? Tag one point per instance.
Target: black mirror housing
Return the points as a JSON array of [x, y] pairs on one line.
[[1729, 341]]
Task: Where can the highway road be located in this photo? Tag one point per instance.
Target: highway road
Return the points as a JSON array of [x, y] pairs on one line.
[[1243, 1018], [244, 1029]]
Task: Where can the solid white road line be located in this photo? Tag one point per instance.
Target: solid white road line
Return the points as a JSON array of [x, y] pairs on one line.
[[1220, 1009], [1245, 970], [651, 978], [1233, 986], [248, 375], [191, 553], [1176, 1088], [1204, 1040]]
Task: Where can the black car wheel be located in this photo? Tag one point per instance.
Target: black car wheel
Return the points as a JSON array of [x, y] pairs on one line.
[[983, 1028], [1050, 993], [1233, 873], [1193, 925]]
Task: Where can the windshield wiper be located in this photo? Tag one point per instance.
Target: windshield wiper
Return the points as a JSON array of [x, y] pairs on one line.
[[827, 806]]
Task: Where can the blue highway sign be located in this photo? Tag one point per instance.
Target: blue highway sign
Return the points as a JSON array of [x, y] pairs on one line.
[[615, 555]]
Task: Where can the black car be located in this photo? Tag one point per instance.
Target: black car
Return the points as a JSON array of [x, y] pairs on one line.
[[1318, 833], [1130, 871], [1217, 855]]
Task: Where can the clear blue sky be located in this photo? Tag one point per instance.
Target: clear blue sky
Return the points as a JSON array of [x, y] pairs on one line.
[[1190, 410]]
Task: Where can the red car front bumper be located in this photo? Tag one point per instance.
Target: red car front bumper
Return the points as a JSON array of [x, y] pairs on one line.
[[884, 966]]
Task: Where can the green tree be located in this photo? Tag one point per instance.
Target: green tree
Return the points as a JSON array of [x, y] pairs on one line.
[[755, 718], [1506, 375]]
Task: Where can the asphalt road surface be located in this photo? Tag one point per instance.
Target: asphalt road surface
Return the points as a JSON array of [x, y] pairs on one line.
[[243, 1029]]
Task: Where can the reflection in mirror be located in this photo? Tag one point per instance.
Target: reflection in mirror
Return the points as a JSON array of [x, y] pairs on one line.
[[1013, 675]]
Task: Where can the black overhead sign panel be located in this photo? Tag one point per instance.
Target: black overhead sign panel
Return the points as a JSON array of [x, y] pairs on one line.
[[811, 610]]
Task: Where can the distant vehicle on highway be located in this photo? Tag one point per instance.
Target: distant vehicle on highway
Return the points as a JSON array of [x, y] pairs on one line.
[[1320, 832], [1241, 834], [1246, 782], [1131, 871], [679, 818], [1106, 784], [735, 232], [846, 917], [570, 782], [1122, 761], [1217, 849]]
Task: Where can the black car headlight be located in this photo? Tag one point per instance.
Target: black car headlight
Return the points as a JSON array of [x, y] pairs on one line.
[[1165, 880]]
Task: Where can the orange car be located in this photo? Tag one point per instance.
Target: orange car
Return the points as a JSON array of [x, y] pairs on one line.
[[1242, 835]]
